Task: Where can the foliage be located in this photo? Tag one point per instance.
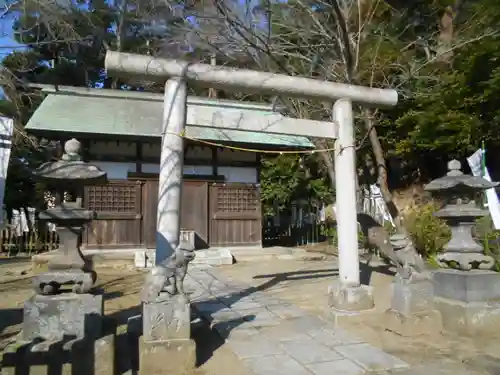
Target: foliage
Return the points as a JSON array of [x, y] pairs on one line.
[[489, 237], [66, 44], [429, 233], [449, 89], [448, 110], [330, 231], [289, 177]]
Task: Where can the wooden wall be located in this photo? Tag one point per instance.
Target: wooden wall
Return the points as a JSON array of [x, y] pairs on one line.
[[221, 214]]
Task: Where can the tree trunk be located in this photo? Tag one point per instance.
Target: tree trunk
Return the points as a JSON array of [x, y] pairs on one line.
[[382, 178], [327, 158], [120, 35], [447, 31]]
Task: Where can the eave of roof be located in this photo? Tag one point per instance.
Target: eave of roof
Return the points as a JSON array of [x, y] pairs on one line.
[[118, 113]]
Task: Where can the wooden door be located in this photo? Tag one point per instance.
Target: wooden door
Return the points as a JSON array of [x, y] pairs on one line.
[[235, 215], [118, 215], [194, 211], [149, 213]]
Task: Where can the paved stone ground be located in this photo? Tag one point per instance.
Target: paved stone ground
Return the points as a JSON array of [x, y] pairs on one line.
[[305, 284], [273, 337]]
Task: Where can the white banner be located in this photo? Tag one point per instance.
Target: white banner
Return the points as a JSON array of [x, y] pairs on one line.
[[476, 165], [6, 131], [374, 205]]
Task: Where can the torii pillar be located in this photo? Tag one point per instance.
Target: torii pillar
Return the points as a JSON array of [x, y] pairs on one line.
[[345, 294]]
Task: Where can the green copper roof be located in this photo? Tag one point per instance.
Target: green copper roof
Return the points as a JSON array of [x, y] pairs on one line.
[[114, 112]]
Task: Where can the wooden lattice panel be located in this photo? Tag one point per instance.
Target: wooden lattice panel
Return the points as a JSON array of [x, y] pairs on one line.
[[112, 198], [237, 199]]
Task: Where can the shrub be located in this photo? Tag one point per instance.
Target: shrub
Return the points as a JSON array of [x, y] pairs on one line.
[[329, 230], [429, 233], [489, 237]]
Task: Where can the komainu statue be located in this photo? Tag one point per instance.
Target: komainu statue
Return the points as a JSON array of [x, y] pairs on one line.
[[168, 276], [406, 260]]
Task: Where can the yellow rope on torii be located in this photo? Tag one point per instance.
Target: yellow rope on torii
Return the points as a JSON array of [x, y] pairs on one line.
[[236, 148]]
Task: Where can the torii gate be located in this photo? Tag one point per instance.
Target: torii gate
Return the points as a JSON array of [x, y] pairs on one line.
[[348, 294]]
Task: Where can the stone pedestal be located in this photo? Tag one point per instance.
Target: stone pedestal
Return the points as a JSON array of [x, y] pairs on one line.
[[167, 357], [66, 357], [166, 345], [62, 334], [350, 298], [62, 316], [469, 301], [412, 310]]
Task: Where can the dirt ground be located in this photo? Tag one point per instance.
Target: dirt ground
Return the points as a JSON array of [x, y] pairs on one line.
[[121, 285]]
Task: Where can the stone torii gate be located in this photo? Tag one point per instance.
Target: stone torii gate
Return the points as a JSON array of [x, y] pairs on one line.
[[347, 294]]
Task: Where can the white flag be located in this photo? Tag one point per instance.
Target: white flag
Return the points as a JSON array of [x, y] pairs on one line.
[[476, 165], [6, 131]]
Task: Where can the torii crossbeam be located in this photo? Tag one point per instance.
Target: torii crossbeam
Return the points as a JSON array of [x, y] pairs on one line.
[[348, 294]]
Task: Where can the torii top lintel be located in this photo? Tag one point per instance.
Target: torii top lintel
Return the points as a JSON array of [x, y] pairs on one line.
[[127, 64]]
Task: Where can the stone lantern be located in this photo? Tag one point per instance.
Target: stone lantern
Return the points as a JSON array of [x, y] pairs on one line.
[[54, 312], [467, 292], [460, 193], [62, 328]]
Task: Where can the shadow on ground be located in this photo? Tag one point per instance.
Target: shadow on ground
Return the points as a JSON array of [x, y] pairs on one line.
[[366, 271], [8, 318], [127, 324]]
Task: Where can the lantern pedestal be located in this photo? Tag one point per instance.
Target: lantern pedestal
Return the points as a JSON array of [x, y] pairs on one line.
[[466, 290], [412, 311], [469, 301]]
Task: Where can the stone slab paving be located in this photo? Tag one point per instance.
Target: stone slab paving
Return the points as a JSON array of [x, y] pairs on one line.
[[273, 337]]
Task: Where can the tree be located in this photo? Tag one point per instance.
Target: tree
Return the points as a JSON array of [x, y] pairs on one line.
[[286, 178], [371, 43], [66, 44]]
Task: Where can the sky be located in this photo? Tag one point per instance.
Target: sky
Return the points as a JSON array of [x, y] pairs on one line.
[[7, 42], [7, 19]]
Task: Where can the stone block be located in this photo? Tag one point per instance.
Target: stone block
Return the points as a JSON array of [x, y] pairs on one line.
[[242, 305], [412, 296], [341, 366], [286, 311], [167, 319], [104, 355], [261, 317], [167, 357], [275, 365], [309, 351], [350, 298], [333, 337], [343, 318], [206, 309], [307, 323], [65, 357], [467, 286], [66, 315], [421, 323], [41, 261], [224, 316], [217, 257], [254, 347], [140, 260], [412, 308], [234, 329], [370, 358], [469, 318]]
